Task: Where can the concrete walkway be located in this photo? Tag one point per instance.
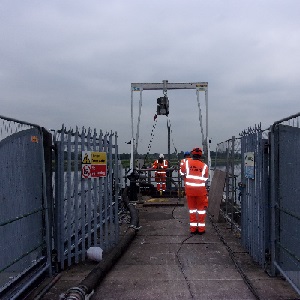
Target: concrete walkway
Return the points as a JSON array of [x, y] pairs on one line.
[[165, 261]]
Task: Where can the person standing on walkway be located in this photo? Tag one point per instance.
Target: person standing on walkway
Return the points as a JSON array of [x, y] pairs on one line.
[[196, 175], [160, 165]]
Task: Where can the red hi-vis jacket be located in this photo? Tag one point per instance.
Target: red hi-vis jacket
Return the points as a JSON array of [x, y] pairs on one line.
[[196, 174]]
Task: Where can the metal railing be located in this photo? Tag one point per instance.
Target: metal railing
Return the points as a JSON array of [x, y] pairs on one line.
[[264, 193], [86, 206], [254, 194], [228, 159]]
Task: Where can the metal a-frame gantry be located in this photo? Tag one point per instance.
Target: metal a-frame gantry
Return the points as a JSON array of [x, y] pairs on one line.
[[165, 86]]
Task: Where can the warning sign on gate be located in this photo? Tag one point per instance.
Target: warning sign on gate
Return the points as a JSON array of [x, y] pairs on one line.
[[86, 157], [249, 165], [94, 164]]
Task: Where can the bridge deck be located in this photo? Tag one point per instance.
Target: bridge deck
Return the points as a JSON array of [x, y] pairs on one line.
[[165, 261]]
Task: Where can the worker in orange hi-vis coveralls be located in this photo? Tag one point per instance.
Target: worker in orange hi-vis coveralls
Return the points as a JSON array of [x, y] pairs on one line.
[[160, 165], [196, 174]]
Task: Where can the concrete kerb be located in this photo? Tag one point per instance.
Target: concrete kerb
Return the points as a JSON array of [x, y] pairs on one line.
[[87, 286]]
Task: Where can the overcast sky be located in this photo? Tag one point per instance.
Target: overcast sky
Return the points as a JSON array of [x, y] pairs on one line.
[[72, 62]]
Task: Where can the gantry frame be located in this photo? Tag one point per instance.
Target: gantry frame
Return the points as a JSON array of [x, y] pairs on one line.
[[165, 86]]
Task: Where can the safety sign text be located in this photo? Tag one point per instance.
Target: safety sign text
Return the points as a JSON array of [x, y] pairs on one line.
[[93, 164]]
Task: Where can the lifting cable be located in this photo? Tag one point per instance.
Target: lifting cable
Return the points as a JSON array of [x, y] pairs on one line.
[[171, 133], [138, 123], [169, 124], [200, 116]]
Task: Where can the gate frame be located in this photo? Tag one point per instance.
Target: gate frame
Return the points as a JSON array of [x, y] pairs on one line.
[[274, 182], [92, 228], [46, 148], [255, 216]]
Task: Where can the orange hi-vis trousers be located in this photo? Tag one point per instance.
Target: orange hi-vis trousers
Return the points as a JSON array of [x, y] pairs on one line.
[[197, 212], [160, 178]]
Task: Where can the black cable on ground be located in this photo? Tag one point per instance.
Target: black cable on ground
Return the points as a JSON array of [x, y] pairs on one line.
[[181, 267], [88, 285], [177, 256], [231, 254]]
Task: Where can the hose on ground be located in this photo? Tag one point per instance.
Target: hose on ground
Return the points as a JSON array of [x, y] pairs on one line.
[[88, 285]]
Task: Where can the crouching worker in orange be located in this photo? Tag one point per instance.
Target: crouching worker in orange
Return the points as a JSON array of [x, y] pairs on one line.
[[196, 174], [160, 165]]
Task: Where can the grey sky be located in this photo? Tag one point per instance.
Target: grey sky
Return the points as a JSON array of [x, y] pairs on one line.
[[73, 62]]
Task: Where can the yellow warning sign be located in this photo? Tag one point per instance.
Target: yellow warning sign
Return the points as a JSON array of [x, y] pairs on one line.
[[98, 158]]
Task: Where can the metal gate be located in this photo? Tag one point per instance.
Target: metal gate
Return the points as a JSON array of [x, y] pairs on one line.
[[254, 194], [228, 159], [24, 223], [285, 188], [86, 206]]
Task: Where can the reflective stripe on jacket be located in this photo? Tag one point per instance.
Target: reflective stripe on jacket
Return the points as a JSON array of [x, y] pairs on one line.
[[196, 174], [160, 166], [182, 165]]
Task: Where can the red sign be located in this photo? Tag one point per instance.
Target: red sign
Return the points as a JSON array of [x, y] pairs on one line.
[[98, 171]]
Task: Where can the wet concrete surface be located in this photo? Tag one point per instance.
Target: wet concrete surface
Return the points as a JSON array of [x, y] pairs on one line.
[[165, 261]]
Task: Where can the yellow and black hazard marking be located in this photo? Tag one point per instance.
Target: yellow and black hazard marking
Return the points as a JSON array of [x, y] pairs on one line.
[[86, 159]]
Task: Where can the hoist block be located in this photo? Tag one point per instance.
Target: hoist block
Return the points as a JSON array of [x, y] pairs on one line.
[[163, 106]]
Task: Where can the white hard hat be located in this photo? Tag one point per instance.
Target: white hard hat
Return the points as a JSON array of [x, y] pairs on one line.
[[161, 156]]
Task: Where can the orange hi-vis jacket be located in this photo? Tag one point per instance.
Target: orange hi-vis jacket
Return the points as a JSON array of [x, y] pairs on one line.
[[160, 166], [160, 174], [196, 174]]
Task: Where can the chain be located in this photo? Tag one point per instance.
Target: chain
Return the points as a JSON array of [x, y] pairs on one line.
[[152, 135]]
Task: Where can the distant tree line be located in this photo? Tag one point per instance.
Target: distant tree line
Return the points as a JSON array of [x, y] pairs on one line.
[[173, 156], [153, 156], [219, 157]]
